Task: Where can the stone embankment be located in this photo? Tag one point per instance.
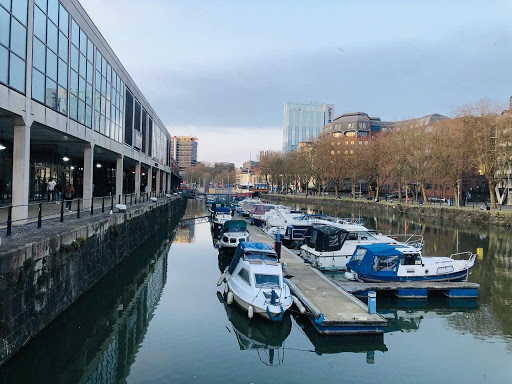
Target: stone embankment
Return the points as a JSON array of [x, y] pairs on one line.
[[43, 274], [460, 215]]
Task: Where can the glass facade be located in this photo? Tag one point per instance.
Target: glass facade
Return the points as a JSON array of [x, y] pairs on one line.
[[303, 122], [13, 43], [72, 76]]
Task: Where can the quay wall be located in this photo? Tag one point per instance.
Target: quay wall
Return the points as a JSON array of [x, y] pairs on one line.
[[44, 276], [439, 213]]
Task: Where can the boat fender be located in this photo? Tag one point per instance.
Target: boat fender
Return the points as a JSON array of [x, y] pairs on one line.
[[275, 318], [230, 298], [283, 266], [319, 319], [250, 311], [349, 276], [299, 305], [221, 279], [226, 289]]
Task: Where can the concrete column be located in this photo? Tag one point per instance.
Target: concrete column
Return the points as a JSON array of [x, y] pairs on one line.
[[150, 178], [157, 180], [119, 178], [88, 173], [168, 181], [137, 178], [20, 173]]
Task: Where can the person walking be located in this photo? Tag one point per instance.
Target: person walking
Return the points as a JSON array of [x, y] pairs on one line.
[[58, 192], [51, 189], [68, 195]]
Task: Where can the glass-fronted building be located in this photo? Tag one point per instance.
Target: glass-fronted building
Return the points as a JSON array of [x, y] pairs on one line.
[[303, 122], [63, 94]]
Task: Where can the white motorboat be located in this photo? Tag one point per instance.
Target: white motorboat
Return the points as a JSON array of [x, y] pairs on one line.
[[399, 263], [247, 205], [330, 247], [255, 281], [232, 233], [220, 216]]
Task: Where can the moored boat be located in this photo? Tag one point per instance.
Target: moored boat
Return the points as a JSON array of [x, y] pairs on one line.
[[255, 281], [221, 215], [232, 233], [400, 263]]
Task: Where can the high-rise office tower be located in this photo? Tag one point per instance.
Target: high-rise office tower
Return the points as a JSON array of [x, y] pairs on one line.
[[303, 122]]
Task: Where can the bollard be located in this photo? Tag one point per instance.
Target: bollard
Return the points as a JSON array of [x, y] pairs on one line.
[[92, 206], [78, 209], [62, 211], [39, 215], [119, 202], [372, 302], [135, 198], [112, 204], [277, 246], [131, 198], [103, 204], [9, 220]]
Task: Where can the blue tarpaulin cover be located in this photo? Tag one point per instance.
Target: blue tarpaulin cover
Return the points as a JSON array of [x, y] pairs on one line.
[[222, 210], [379, 260]]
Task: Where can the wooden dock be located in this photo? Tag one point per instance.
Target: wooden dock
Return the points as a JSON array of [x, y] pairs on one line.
[[332, 310], [412, 290]]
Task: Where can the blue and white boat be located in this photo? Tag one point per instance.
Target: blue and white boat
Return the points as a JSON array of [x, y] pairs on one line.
[[220, 216], [400, 263], [254, 280]]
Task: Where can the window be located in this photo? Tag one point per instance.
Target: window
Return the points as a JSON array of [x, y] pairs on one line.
[[17, 73], [388, 264], [359, 255], [244, 275], [268, 281], [411, 259]]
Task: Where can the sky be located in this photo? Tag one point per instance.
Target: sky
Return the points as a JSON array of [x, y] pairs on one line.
[[223, 70]]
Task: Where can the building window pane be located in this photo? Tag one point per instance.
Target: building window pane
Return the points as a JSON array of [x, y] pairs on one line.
[[62, 102], [83, 66], [6, 4], [63, 74], [97, 121], [17, 73], [40, 24], [4, 64], [63, 47], [5, 20], [81, 88], [74, 83], [39, 59], [52, 36], [75, 33], [18, 38], [88, 116], [51, 93], [19, 10], [88, 94], [42, 4], [98, 61], [73, 107], [53, 10], [97, 101], [63, 20], [51, 64], [74, 58], [89, 72], [83, 42], [81, 112]]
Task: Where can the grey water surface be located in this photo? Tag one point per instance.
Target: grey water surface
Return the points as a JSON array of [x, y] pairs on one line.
[[160, 318]]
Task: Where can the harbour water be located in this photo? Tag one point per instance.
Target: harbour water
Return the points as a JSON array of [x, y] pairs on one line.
[[159, 318]]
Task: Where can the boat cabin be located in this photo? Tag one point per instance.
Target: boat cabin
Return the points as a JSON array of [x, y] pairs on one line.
[[234, 226], [325, 238]]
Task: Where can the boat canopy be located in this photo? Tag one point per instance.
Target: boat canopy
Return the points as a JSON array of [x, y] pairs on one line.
[[375, 260], [234, 224], [325, 238], [253, 250], [222, 210]]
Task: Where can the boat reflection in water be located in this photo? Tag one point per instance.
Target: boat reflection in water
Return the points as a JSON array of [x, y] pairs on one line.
[[331, 344], [265, 337]]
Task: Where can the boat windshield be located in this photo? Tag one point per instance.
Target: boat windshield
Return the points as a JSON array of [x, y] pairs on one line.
[[270, 281], [260, 256], [236, 229]]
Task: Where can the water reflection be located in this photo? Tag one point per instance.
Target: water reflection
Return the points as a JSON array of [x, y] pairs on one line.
[[96, 340], [492, 269], [257, 334]]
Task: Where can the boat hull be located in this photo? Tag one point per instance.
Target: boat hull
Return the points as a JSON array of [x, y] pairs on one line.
[[274, 310], [455, 276]]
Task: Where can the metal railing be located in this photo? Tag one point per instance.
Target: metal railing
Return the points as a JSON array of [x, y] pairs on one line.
[[97, 205]]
